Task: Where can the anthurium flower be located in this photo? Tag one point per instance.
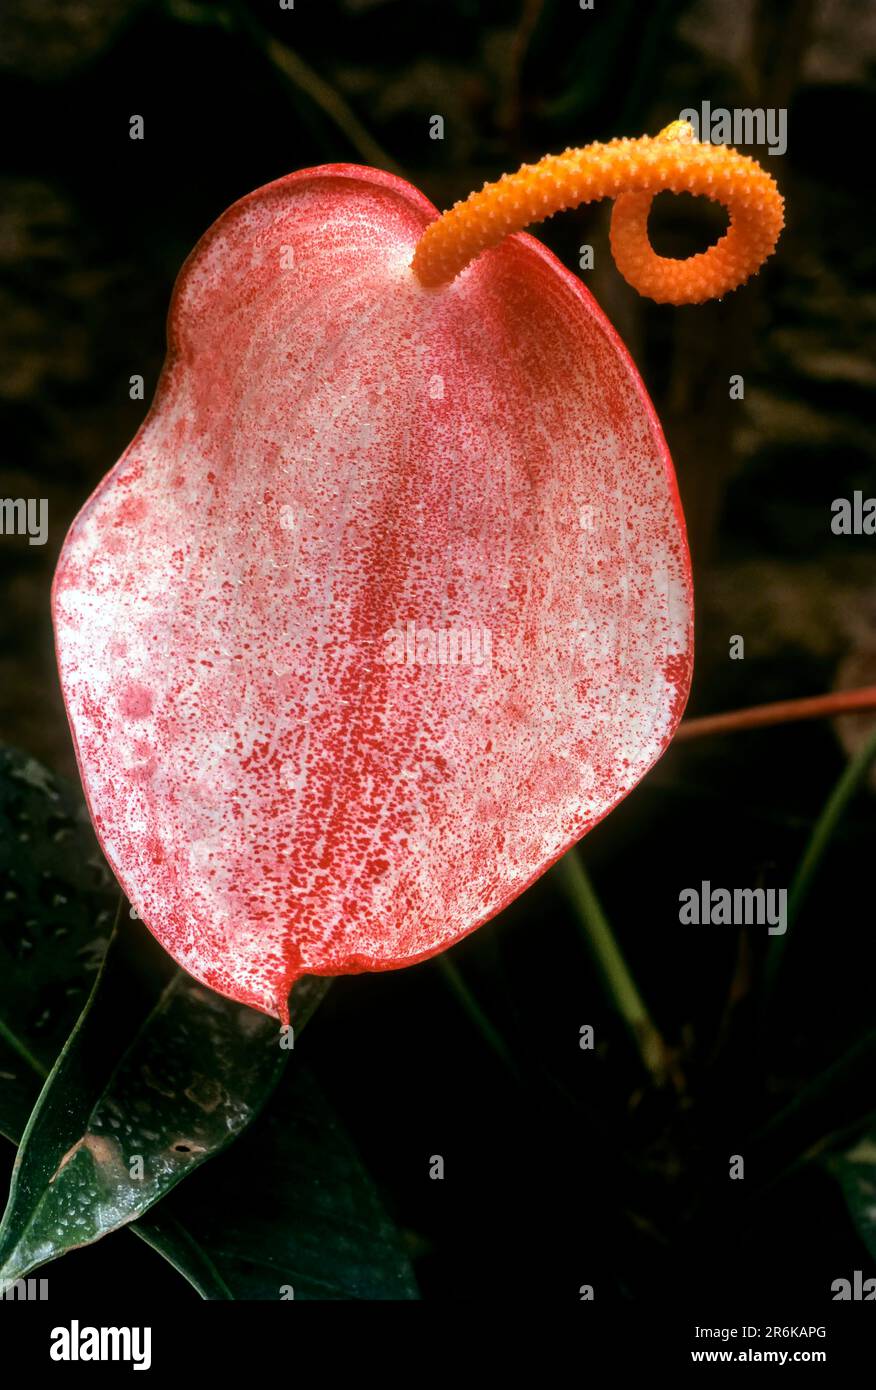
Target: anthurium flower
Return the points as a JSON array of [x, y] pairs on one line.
[[389, 600]]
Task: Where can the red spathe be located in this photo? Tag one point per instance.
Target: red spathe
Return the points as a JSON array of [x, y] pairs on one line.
[[388, 602]]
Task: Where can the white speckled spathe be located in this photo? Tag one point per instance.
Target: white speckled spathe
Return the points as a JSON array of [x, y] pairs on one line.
[[275, 796]]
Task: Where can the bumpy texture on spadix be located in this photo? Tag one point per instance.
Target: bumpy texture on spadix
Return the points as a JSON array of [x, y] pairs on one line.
[[388, 602], [632, 171]]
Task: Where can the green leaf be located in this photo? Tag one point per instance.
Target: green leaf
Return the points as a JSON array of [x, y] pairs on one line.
[[155, 1061], [834, 1101], [291, 1207], [855, 1171], [834, 809], [171, 1240], [18, 1089], [139, 1098], [158, 1074], [57, 903]]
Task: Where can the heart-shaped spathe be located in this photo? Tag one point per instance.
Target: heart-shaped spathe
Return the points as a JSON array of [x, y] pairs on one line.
[[386, 605]]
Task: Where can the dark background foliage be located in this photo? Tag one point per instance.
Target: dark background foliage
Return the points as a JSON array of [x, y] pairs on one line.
[[563, 1167]]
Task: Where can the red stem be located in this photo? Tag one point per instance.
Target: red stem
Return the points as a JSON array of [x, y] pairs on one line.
[[783, 712]]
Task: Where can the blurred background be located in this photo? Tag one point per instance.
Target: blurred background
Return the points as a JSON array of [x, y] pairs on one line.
[[563, 1168]]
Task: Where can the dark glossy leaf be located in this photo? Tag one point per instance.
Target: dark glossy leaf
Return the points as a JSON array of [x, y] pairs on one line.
[[171, 1239], [157, 1075], [57, 904], [111, 1134], [832, 1102], [185, 1072], [291, 1212], [19, 1088], [855, 1171]]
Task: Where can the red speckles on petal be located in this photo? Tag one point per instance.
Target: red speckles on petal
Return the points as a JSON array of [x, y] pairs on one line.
[[405, 607], [135, 701], [130, 510]]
